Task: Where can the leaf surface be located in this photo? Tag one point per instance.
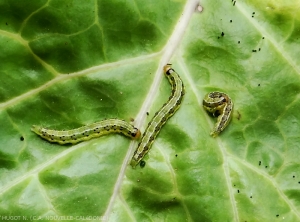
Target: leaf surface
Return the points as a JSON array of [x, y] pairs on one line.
[[65, 64]]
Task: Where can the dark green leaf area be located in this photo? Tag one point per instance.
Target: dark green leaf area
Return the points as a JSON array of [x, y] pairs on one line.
[[29, 198], [289, 179], [161, 13], [237, 142], [264, 157], [19, 69], [202, 183], [92, 34], [62, 103], [281, 17], [193, 185], [269, 95], [268, 131], [114, 96], [77, 52], [60, 18], [144, 35], [101, 95], [13, 13], [289, 123], [11, 144], [50, 179], [246, 185], [156, 182], [75, 178], [118, 15], [7, 162], [150, 204], [69, 193], [132, 28], [179, 139], [204, 201], [294, 36], [226, 64]]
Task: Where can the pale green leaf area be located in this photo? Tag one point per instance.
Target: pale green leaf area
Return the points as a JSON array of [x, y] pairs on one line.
[[64, 64]]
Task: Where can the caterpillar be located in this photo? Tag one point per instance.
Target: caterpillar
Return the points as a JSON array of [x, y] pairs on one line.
[[87, 132], [160, 117], [221, 106]]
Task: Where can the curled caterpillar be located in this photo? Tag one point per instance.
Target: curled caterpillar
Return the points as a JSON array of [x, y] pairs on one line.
[[87, 132], [160, 117], [221, 106]]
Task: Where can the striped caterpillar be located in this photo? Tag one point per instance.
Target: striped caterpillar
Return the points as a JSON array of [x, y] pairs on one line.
[[160, 117], [87, 132], [221, 106]]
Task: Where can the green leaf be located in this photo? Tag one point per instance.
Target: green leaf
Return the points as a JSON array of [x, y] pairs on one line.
[[70, 63]]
